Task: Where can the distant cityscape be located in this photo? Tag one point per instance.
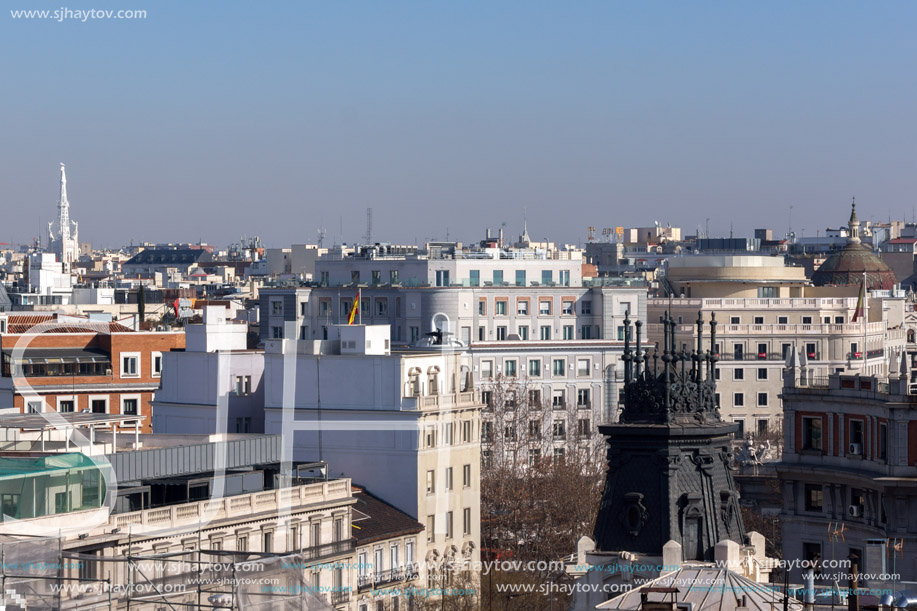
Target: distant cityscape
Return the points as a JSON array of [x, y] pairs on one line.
[[503, 423]]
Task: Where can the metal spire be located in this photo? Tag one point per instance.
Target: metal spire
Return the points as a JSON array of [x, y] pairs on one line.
[[64, 206]]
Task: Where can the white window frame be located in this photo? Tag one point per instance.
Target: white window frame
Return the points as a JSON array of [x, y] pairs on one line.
[[106, 398], [153, 357], [30, 402], [128, 397], [129, 355], [76, 407]]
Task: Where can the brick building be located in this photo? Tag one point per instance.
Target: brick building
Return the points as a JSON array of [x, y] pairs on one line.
[[63, 363]]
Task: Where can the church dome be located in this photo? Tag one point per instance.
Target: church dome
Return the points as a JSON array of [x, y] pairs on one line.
[[846, 267]]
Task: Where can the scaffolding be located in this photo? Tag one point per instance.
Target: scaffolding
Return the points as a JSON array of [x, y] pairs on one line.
[[37, 574]]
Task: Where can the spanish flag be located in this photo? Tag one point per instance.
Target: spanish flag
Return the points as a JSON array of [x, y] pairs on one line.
[[354, 309], [858, 313]]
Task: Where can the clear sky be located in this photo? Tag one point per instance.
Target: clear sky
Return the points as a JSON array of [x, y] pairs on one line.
[[208, 120]]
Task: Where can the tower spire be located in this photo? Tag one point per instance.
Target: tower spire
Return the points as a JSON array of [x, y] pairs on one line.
[[63, 205]]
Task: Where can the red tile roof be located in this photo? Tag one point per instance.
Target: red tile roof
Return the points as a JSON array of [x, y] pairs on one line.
[[18, 324]]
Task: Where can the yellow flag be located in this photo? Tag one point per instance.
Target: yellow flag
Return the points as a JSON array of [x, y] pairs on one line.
[[354, 309]]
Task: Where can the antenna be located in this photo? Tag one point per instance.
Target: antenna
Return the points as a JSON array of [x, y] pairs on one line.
[[321, 236], [368, 237]]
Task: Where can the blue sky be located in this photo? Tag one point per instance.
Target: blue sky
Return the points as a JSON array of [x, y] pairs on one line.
[[207, 120]]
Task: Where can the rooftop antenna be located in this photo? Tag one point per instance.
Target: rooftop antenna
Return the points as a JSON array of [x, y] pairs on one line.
[[368, 238], [321, 236]]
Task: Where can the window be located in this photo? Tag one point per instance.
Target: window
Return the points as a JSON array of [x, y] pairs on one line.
[[509, 432], [520, 277], [393, 556], [482, 307], [243, 386], [534, 368], [409, 553], [501, 333], [762, 351], [500, 307], [535, 429], [534, 456], [812, 351], [558, 455], [382, 307], [558, 399], [522, 307], [545, 332], [268, 538], [740, 432], [431, 525], [883, 441], [466, 521], [442, 277], [762, 400], [481, 334], [547, 277], [738, 351], [487, 431], [415, 334], [582, 428], [449, 428], [762, 373], [448, 478], [807, 320], [448, 524], [65, 405], [157, 364], [716, 374], [129, 406], [738, 373], [566, 307], [277, 307], [759, 320], [535, 399], [568, 332], [738, 399], [466, 431], [781, 320], [316, 534], [811, 433], [487, 369], [838, 320], [466, 476], [856, 436], [814, 497], [582, 367], [560, 367], [523, 332], [560, 430], [474, 277], [762, 427], [130, 365], [586, 332], [582, 398], [585, 307], [544, 307], [276, 332], [376, 277], [767, 292], [735, 320], [509, 368], [242, 544], [431, 482], [98, 406]]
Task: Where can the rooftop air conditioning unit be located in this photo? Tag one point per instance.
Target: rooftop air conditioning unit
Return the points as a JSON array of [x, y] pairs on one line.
[[856, 449], [855, 511]]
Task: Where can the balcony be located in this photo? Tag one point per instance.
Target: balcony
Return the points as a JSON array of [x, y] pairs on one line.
[[340, 596], [396, 575], [328, 550]]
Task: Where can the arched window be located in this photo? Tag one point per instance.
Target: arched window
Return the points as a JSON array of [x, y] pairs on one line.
[[433, 380]]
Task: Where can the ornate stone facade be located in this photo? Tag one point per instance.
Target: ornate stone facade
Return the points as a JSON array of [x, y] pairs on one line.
[[669, 456]]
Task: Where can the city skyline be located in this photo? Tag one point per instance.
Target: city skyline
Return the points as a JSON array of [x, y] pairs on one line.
[[452, 119]]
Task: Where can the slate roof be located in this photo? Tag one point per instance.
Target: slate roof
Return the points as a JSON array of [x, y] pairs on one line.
[[375, 520], [846, 268]]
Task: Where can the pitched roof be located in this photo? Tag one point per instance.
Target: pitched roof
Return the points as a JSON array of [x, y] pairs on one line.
[[23, 323], [375, 520], [5, 302]]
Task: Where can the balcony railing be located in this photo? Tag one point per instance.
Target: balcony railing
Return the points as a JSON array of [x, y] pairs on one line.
[[870, 354], [327, 550], [340, 596]]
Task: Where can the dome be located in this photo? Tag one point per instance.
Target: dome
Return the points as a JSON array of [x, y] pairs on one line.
[[846, 267]]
